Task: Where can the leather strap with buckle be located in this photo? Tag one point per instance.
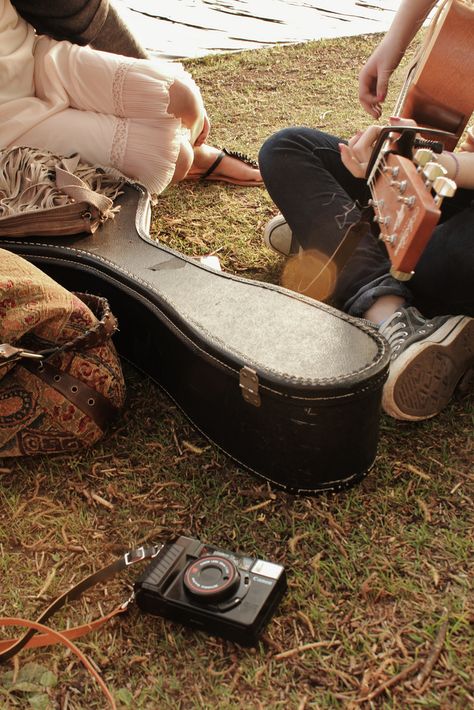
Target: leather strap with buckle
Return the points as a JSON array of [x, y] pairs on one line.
[[85, 398], [97, 334]]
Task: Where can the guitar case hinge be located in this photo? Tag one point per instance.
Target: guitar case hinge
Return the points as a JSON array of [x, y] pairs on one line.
[[249, 384]]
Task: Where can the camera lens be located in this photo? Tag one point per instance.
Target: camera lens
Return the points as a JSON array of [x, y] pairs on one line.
[[211, 578]]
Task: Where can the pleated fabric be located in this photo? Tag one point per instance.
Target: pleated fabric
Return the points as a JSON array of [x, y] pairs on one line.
[[110, 109]]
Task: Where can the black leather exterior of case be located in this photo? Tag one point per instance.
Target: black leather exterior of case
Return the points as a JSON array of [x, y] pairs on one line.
[[288, 387]]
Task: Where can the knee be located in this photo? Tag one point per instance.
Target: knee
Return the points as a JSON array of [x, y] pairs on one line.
[[274, 145], [284, 145], [183, 162], [186, 103]]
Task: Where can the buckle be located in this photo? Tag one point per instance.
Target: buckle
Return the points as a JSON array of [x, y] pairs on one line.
[[134, 556], [10, 353], [141, 553]]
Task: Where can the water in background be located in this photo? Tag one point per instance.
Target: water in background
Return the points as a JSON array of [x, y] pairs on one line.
[[194, 28]]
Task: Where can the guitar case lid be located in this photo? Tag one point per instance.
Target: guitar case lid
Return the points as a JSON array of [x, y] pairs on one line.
[[287, 386]]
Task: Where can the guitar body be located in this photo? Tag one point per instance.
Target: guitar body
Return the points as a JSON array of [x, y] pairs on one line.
[[288, 387], [438, 91]]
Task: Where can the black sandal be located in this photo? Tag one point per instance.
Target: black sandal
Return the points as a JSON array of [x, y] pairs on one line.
[[208, 175]]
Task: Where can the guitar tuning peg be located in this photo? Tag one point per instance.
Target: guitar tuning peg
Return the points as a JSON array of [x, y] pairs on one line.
[[423, 156], [432, 170], [444, 187]]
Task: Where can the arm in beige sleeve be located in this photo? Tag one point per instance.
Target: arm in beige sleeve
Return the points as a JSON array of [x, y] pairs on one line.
[[115, 36]]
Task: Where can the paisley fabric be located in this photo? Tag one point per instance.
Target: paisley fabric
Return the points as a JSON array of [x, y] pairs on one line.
[[36, 312]]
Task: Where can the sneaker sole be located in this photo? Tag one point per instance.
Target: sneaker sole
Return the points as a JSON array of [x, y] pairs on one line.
[[422, 380]]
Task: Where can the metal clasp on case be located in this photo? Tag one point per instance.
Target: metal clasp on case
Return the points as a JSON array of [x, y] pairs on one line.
[[248, 383]]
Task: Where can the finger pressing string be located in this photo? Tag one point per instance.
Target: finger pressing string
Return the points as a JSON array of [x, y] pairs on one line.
[[351, 162]]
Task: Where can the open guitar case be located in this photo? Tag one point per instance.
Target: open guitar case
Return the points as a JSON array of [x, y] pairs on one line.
[[287, 386]]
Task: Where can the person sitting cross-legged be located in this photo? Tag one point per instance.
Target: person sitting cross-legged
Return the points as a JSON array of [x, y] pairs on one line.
[[317, 181]]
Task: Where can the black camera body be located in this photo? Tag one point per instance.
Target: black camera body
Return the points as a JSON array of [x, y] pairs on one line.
[[220, 592]]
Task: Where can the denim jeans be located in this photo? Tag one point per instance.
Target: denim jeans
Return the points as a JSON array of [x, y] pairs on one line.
[[320, 199]]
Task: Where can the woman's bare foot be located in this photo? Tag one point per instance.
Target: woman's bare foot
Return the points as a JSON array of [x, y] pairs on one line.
[[230, 168]]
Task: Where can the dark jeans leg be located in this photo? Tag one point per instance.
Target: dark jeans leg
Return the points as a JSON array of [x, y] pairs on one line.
[[443, 282], [319, 198]]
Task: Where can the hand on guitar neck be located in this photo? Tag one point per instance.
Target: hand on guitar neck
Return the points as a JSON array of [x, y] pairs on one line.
[[358, 151], [407, 190]]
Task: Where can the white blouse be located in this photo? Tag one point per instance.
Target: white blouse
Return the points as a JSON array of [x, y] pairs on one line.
[[23, 56], [17, 39]]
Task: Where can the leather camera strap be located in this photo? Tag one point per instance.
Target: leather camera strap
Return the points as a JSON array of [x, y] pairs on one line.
[[10, 647], [58, 637], [48, 636]]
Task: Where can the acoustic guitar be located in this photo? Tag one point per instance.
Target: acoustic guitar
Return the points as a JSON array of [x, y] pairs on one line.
[[408, 189], [437, 92]]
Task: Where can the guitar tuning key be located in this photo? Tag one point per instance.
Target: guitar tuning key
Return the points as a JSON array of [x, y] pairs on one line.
[[381, 220], [423, 156], [401, 184], [376, 204], [408, 201], [444, 187], [432, 170], [393, 171]]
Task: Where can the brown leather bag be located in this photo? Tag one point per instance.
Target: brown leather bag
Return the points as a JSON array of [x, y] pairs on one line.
[[61, 382], [45, 194]]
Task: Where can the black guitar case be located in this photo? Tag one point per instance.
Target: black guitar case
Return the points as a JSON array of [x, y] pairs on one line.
[[288, 387]]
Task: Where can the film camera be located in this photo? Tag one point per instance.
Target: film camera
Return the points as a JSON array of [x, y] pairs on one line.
[[220, 592]]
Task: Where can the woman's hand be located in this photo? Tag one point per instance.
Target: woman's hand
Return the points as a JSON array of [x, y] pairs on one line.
[[202, 137], [356, 154], [468, 144], [375, 75]]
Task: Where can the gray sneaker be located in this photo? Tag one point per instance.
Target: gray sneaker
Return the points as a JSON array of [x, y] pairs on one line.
[[428, 360], [277, 236]]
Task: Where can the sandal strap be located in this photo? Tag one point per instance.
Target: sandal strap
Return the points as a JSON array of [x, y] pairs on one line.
[[242, 157], [213, 166], [232, 154]]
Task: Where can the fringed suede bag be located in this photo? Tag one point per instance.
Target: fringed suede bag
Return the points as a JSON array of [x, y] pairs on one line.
[[45, 194], [61, 382]]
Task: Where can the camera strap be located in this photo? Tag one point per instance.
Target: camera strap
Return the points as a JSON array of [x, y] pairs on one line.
[[34, 639]]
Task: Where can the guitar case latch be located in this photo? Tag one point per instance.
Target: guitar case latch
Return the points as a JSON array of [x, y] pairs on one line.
[[249, 384]]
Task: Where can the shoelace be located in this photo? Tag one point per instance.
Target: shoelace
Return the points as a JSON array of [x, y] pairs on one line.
[[395, 334]]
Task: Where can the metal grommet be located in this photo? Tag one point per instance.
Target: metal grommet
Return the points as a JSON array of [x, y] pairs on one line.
[[74, 389], [57, 378], [91, 401]]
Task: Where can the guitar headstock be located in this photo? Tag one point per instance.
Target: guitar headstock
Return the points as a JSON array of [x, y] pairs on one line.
[[406, 201]]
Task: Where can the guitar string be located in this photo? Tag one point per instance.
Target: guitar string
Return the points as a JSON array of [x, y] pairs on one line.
[[379, 169]]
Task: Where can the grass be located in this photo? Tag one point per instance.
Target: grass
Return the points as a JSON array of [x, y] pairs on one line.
[[378, 575]]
